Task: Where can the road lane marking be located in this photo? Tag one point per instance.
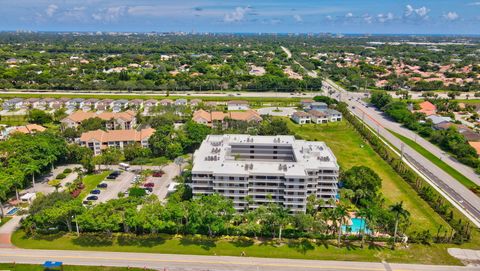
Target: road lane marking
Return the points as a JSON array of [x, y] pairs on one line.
[[197, 262]]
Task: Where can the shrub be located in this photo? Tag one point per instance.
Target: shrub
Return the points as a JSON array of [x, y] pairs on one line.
[[67, 171], [61, 176]]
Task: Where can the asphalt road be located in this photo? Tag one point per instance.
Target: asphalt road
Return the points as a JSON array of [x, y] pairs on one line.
[[195, 262], [467, 201]]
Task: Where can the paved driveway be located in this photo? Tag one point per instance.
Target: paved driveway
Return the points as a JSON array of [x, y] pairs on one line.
[[121, 184], [277, 111]]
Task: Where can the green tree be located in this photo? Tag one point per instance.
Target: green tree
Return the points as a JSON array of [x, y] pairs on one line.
[[39, 116], [399, 212]]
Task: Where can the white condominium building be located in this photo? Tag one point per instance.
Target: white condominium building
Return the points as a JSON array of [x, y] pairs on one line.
[[265, 168]]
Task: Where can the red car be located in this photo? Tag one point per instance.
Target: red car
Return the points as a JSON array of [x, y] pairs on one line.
[[149, 185], [158, 173]]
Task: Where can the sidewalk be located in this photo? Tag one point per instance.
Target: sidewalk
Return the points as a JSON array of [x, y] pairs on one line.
[[468, 256], [7, 230]]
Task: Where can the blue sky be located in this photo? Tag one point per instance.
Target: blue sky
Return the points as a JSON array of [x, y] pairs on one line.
[[336, 16]]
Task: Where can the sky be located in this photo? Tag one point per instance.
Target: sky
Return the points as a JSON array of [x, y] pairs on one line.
[[246, 16]]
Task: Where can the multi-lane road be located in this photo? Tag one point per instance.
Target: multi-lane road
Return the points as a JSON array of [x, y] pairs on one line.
[[173, 262], [464, 199]]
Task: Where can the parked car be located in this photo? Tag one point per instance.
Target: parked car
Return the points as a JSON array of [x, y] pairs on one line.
[[92, 198], [112, 177], [149, 189], [86, 202], [158, 173], [102, 185], [95, 192], [149, 185]]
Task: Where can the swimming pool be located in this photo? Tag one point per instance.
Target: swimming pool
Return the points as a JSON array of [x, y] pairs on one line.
[[358, 225], [12, 211]]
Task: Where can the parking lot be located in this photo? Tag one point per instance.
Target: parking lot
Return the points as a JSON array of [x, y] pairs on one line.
[[162, 183], [115, 186]]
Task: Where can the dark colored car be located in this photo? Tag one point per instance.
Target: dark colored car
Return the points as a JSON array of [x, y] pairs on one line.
[[86, 202], [102, 185], [95, 192], [149, 189], [112, 177], [92, 198], [149, 185]]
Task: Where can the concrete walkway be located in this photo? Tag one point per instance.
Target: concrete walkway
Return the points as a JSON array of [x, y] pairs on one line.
[[7, 230], [468, 256]]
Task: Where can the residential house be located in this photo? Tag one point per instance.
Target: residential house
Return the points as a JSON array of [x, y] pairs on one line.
[[31, 103], [435, 119], [27, 129], [166, 102], [119, 105], [99, 140], [181, 102], [306, 103], [318, 117], [135, 103], [427, 108], [151, 103], [104, 104], [238, 105], [75, 103], [12, 104], [195, 102], [47, 102], [218, 118], [333, 115], [476, 146], [318, 106], [89, 104], [56, 104], [301, 117], [114, 121]]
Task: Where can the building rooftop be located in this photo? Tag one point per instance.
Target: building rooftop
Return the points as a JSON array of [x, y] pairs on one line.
[[215, 155]]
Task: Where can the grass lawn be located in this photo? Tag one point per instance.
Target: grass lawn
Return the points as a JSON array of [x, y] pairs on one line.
[[32, 267], [295, 249], [434, 159], [351, 150], [13, 120], [91, 181]]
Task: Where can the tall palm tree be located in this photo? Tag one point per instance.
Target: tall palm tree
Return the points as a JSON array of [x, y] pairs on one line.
[[399, 212], [340, 213], [363, 213], [32, 169]]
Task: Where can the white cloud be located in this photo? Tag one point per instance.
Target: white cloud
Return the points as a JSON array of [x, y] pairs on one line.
[[474, 4], [349, 15], [298, 18], [111, 14], [51, 9], [237, 15], [367, 18], [383, 18], [451, 16], [416, 13]]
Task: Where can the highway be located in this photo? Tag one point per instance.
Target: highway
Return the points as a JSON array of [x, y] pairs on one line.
[[460, 196], [173, 262]]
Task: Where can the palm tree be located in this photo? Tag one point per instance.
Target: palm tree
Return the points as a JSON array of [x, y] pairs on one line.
[[363, 213], [399, 212], [32, 169], [340, 213]]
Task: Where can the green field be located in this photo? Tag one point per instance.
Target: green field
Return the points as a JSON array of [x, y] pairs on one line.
[[32, 267], [351, 150], [196, 245], [434, 159], [13, 120]]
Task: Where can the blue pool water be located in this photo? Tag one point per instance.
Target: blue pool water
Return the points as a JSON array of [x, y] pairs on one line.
[[12, 211], [358, 225]]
